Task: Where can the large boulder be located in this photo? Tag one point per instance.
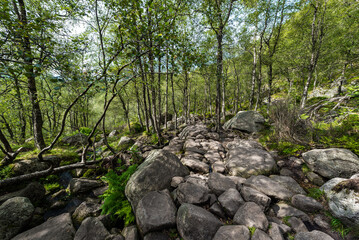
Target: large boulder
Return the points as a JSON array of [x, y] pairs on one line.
[[269, 187], [251, 215], [343, 202], [85, 210], [313, 235], [125, 142], [75, 140], [246, 121], [230, 200], [81, 185], [252, 195], [246, 161], [29, 166], [15, 214], [33, 191], [219, 183], [190, 192], [288, 183], [305, 203], [195, 223], [155, 211], [57, 228], [332, 162], [154, 174]]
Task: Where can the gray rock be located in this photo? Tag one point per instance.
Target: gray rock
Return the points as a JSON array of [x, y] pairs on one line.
[[195, 223], [99, 191], [244, 143], [219, 183], [57, 228], [251, 215], [232, 232], [285, 172], [321, 222], [230, 200], [131, 233], [246, 161], [193, 131], [288, 183], [81, 185], [284, 210], [29, 166], [195, 165], [125, 142], [332, 162], [33, 191], [297, 225], [115, 237], [260, 235], [313, 235], [305, 203], [252, 195], [154, 174], [275, 232], [15, 214], [157, 236], [75, 140], [155, 211], [315, 178], [176, 181], [217, 210], [192, 193], [86, 209], [113, 133], [91, 229], [247, 121], [343, 204], [269, 187], [218, 167]]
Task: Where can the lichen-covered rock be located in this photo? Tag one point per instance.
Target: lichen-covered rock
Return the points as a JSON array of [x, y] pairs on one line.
[[189, 192], [91, 229], [230, 200], [284, 210], [252, 195], [154, 174], [155, 211], [125, 142], [313, 235], [332, 162], [81, 185], [251, 215], [86, 209], [288, 183], [305, 203], [57, 228], [75, 140], [247, 121], [195, 223], [15, 214], [219, 183], [33, 191]]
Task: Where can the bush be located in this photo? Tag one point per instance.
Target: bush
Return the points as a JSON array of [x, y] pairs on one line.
[[115, 201]]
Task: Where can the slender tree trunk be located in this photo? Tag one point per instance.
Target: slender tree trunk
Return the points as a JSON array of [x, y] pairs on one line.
[[8, 128], [342, 79], [159, 93], [5, 142], [166, 109], [138, 104], [173, 101], [22, 116], [219, 77], [253, 82], [270, 79]]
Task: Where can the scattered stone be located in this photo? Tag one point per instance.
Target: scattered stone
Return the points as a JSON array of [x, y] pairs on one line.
[[217, 210], [154, 174], [251, 215], [157, 236], [288, 183], [284, 210], [57, 228], [219, 183], [155, 211], [305, 203], [195, 165], [232, 232], [285, 172], [274, 232], [314, 235], [195, 223], [246, 121], [29, 166], [33, 191], [260, 235], [218, 167], [99, 191], [91, 229], [85, 210], [230, 200], [81, 185], [78, 139], [125, 142], [269, 187], [15, 214], [252, 195], [321, 222], [176, 181], [297, 225], [113, 133], [192, 193], [246, 161], [332, 162], [315, 178], [131, 233]]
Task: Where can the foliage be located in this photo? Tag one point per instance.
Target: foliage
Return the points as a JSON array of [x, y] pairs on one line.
[[286, 219], [305, 169], [6, 171], [51, 183], [338, 226], [115, 201], [315, 193], [252, 230]]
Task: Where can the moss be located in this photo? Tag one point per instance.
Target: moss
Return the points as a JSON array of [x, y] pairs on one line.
[[350, 184], [285, 221], [305, 169], [315, 193]]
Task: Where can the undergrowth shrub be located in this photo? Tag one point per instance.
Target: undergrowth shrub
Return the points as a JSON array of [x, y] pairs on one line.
[[115, 201]]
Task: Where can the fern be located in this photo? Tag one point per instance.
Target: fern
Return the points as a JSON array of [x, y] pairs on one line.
[[115, 201]]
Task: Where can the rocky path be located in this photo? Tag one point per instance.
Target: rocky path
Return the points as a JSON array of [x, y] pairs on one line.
[[203, 185]]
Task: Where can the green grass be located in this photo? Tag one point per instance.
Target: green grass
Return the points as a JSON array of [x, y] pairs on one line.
[[338, 226], [286, 219], [252, 230], [315, 193], [6, 172], [305, 169]]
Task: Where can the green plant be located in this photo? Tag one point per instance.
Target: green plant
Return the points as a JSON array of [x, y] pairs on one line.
[[286, 219], [305, 168], [315, 193], [338, 226], [52, 187], [115, 201], [6, 172], [85, 130], [252, 230]]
